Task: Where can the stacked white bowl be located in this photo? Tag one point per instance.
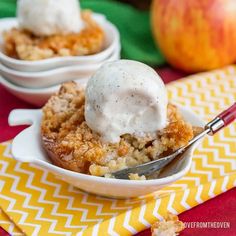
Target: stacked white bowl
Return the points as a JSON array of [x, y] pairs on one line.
[[36, 81]]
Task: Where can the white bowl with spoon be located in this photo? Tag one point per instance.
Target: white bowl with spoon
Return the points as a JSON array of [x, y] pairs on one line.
[[33, 152]]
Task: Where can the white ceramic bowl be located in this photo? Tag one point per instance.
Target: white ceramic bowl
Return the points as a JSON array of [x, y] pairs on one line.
[[54, 76], [111, 42], [37, 97], [33, 152]]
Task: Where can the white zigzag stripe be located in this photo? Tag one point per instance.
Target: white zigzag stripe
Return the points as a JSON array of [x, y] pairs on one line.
[[212, 188], [219, 100], [127, 214], [7, 151], [79, 234], [183, 201], [205, 163], [235, 182], [111, 227], [232, 131], [210, 106], [170, 204], [95, 229], [176, 185], [113, 205], [198, 195], [197, 171], [173, 91], [98, 205], [126, 223], [127, 217], [226, 147], [222, 160], [187, 103], [141, 214], [225, 182], [1, 184], [208, 97], [156, 208], [127, 208], [3, 169], [196, 179], [223, 145]]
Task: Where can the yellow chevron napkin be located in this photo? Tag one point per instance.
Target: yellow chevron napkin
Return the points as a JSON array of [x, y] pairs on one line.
[[40, 204]]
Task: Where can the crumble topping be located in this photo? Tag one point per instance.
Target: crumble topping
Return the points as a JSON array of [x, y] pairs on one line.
[[170, 226], [22, 44]]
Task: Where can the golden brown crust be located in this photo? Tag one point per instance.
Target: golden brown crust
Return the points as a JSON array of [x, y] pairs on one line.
[[72, 144], [21, 44]]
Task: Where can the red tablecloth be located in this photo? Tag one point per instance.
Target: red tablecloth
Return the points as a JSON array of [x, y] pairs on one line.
[[218, 209]]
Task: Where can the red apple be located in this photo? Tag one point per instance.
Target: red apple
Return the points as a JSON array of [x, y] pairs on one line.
[[195, 35]]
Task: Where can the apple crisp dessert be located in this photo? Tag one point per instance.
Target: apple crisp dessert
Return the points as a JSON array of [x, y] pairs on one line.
[[24, 45], [71, 144]]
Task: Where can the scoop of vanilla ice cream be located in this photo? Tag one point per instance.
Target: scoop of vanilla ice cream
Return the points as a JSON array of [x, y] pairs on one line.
[[49, 17], [125, 97]]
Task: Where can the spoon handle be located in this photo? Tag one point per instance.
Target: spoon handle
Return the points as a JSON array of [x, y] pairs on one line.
[[229, 115], [222, 120]]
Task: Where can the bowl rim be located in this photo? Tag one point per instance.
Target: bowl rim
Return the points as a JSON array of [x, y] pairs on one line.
[[9, 85], [58, 70], [81, 176], [52, 89], [44, 62]]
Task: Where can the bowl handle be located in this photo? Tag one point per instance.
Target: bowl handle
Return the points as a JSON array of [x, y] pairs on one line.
[[23, 116], [26, 144]]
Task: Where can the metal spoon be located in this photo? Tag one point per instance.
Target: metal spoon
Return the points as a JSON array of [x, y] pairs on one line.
[[221, 121]]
